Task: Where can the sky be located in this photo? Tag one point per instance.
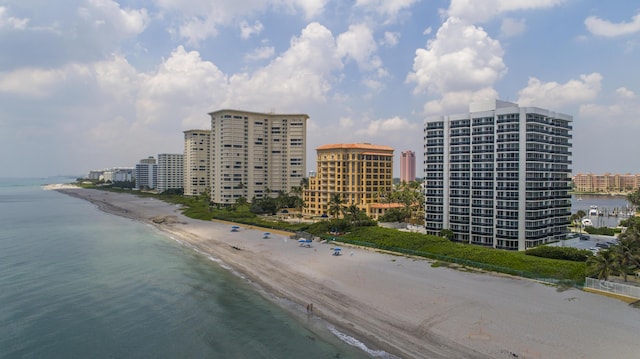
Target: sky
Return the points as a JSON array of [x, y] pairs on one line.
[[92, 84]]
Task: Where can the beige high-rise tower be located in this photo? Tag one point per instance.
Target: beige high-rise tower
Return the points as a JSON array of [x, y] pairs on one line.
[[254, 155], [197, 152]]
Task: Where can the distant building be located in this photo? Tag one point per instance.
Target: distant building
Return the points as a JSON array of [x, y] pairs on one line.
[[606, 182], [359, 173], [170, 172], [146, 173], [407, 166], [118, 174], [254, 155], [499, 175], [197, 155], [95, 175]]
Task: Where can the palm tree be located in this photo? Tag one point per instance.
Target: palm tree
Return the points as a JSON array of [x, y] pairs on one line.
[[628, 252], [354, 213], [581, 214], [335, 205], [603, 264]]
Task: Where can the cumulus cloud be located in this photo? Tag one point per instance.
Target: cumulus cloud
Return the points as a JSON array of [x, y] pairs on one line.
[[107, 15], [358, 44], [458, 101], [201, 19], [625, 92], [33, 83], [390, 39], [247, 30], [601, 27], [512, 27], [462, 57], [554, 95], [485, 10], [7, 21], [261, 53], [389, 9], [301, 75], [384, 126], [183, 87]]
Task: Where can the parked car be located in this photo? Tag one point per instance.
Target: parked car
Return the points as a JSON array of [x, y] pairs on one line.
[[585, 237], [602, 245]]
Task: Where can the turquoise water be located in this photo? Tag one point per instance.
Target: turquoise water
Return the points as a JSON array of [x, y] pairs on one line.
[[79, 283]]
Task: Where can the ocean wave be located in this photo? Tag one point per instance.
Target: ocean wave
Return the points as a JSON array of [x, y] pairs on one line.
[[360, 345]]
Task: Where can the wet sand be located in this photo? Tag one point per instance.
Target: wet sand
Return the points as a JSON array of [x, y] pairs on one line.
[[404, 305]]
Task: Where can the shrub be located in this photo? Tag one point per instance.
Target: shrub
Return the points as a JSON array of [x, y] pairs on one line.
[[564, 253]]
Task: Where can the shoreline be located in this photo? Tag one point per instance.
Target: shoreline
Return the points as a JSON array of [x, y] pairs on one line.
[[398, 304]]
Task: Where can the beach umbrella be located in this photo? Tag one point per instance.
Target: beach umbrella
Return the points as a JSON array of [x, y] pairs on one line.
[[337, 249], [267, 233], [235, 227], [302, 240]]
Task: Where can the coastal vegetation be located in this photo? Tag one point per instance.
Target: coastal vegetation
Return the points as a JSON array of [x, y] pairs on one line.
[[621, 259], [349, 224]]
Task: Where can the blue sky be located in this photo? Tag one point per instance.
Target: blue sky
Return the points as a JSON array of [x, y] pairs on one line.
[[90, 84]]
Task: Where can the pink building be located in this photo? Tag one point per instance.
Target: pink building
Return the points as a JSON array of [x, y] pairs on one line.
[[407, 166]]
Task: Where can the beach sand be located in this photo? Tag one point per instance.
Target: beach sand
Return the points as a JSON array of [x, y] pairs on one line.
[[403, 305]]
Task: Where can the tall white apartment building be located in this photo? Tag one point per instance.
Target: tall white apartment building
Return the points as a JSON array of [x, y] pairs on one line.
[[254, 155], [170, 171], [146, 173], [499, 175], [197, 156]]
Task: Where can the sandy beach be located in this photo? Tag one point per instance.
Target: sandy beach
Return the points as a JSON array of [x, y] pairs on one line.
[[402, 305]]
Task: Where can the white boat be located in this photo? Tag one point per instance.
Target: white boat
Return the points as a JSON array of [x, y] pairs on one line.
[[593, 210], [586, 222]]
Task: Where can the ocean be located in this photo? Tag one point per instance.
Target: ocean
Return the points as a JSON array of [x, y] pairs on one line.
[[79, 283]]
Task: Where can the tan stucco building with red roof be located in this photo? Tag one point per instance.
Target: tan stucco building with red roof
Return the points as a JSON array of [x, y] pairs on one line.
[[358, 172]]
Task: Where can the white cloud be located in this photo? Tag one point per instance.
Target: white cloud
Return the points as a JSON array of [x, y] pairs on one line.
[[201, 19], [427, 31], [298, 77], [555, 95], [625, 93], [10, 21], [261, 53], [600, 27], [184, 88], [481, 11], [462, 57], [247, 30], [512, 27], [389, 9], [390, 39], [384, 126], [107, 13], [358, 44], [458, 101]]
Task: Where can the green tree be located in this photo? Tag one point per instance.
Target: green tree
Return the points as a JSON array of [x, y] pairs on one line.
[[353, 212], [603, 264], [335, 205], [634, 199], [581, 214], [448, 234]]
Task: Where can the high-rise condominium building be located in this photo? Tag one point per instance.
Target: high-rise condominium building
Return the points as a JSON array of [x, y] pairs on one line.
[[146, 173], [407, 166], [359, 173], [197, 156], [254, 155], [499, 175], [170, 171]]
